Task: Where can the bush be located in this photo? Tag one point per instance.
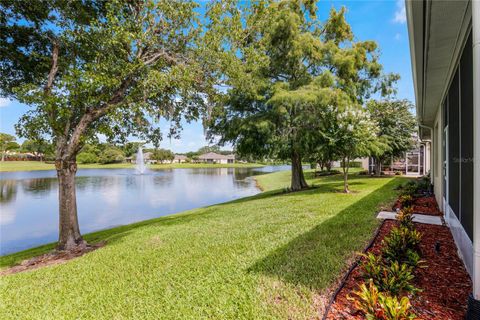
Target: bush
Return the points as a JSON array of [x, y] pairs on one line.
[[376, 305], [401, 245], [423, 184], [326, 173], [410, 188], [393, 278], [87, 157], [352, 164], [111, 156], [405, 217], [406, 200]]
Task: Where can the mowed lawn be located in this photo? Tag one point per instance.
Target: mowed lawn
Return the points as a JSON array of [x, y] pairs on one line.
[[9, 166], [268, 256]]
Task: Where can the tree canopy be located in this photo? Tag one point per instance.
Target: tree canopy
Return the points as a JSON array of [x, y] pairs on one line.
[[282, 67], [397, 126], [101, 67], [7, 142]]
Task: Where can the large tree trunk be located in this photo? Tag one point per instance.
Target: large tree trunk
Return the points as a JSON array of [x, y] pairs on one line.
[[298, 179], [69, 233]]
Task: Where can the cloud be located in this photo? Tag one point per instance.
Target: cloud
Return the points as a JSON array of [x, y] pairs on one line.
[[398, 36], [4, 102], [400, 13]]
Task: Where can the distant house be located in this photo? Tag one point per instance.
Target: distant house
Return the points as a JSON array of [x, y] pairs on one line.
[[22, 156], [180, 159], [213, 157], [147, 158]]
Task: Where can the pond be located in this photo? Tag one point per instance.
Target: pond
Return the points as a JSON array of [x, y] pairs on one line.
[[111, 197]]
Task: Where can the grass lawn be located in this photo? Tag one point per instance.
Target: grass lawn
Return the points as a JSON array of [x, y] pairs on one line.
[[262, 257], [37, 165]]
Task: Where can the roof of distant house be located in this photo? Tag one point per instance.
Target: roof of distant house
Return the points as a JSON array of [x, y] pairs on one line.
[[216, 156], [180, 157], [147, 155]]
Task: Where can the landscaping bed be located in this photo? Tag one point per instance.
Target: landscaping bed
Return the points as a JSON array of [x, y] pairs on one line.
[[444, 282], [426, 205], [436, 287]]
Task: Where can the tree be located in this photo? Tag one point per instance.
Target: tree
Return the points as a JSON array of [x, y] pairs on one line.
[[7, 142], [397, 127], [163, 155], [352, 134], [109, 67], [111, 155], [207, 149], [37, 147], [87, 157], [277, 52], [131, 148]]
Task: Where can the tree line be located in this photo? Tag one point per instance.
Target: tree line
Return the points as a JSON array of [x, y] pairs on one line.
[[267, 77]]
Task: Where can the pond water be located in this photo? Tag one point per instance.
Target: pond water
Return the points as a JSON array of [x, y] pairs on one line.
[[112, 197]]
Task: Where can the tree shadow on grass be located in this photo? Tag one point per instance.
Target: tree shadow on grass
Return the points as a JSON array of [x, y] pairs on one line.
[[315, 258], [111, 236]]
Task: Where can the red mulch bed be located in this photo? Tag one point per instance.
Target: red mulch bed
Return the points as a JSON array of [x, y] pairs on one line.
[[424, 205], [427, 206], [444, 281]]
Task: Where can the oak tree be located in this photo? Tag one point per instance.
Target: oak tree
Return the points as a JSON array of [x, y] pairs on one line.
[[100, 67]]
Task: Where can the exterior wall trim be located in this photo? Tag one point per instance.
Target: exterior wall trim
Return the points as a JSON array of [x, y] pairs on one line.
[[463, 242]]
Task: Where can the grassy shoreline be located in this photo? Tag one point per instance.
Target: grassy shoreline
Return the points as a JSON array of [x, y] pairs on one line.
[[267, 256], [14, 166]]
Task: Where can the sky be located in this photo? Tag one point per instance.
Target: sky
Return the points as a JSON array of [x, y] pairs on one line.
[[383, 21]]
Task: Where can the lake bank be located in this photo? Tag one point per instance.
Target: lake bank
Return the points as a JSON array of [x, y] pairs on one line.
[[111, 197], [12, 166], [266, 256]]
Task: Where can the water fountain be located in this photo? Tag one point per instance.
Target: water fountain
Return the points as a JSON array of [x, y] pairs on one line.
[[140, 163]]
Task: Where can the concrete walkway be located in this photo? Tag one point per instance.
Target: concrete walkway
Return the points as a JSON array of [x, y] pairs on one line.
[[420, 218]]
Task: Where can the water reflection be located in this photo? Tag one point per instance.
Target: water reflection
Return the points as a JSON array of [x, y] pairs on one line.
[[111, 197], [8, 191]]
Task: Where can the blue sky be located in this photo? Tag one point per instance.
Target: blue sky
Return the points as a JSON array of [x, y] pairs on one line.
[[381, 21]]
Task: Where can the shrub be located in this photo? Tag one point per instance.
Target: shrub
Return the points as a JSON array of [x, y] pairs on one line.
[[405, 217], [398, 173], [87, 157], [406, 200], [326, 173], [367, 300], [423, 184], [111, 156], [401, 245], [409, 189], [352, 164], [376, 305], [393, 309], [393, 278]]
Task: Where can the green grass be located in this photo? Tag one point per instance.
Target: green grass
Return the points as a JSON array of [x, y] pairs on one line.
[[263, 257], [37, 165]]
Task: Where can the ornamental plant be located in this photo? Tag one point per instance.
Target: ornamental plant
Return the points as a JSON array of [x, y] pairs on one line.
[[402, 245], [392, 278], [378, 306], [405, 217]]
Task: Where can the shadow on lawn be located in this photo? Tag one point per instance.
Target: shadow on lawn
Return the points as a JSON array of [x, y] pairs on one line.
[[315, 258]]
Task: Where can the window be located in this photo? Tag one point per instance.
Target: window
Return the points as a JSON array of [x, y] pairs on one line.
[[454, 144], [466, 137]]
